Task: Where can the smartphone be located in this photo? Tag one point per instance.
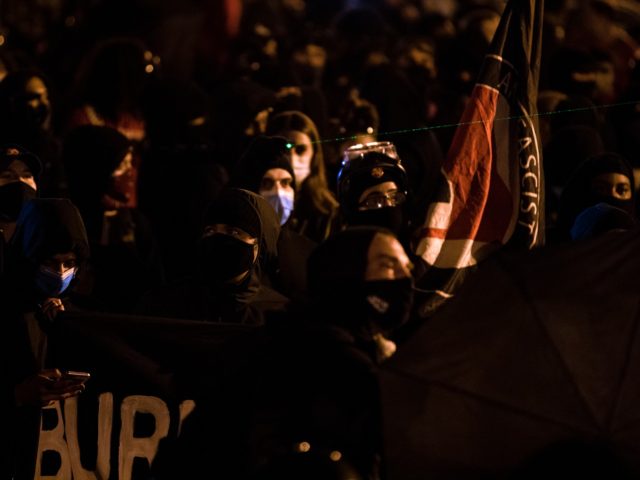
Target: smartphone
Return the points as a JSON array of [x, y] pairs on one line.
[[75, 375]]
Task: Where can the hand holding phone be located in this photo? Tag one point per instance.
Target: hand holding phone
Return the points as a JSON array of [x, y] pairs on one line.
[[75, 375]]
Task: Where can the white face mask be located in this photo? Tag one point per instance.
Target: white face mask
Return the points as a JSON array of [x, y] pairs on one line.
[[301, 172], [282, 202]]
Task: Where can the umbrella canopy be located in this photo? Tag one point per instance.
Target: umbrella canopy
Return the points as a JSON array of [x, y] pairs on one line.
[[536, 348]]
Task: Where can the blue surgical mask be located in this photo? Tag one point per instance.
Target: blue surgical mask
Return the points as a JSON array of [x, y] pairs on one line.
[[282, 203], [52, 283]]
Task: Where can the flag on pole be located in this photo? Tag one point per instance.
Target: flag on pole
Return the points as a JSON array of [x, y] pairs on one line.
[[494, 186]]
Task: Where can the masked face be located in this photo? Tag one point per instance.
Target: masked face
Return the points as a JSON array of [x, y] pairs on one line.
[[389, 302], [382, 205], [615, 189], [227, 254], [276, 188], [54, 275], [388, 289]]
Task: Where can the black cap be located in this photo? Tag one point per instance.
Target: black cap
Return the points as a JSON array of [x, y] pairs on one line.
[[10, 152]]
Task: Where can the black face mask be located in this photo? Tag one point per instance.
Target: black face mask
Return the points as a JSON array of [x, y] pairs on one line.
[[12, 197], [392, 218], [389, 302], [626, 205], [224, 257]]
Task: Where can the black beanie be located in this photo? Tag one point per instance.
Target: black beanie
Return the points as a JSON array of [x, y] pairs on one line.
[[264, 153]]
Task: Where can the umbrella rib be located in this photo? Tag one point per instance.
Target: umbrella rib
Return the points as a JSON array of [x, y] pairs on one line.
[[536, 315], [625, 369], [491, 401]]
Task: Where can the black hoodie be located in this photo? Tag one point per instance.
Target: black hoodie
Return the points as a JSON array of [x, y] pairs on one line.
[[200, 298]]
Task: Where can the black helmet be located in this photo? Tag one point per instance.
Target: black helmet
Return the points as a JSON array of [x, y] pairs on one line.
[[366, 165]]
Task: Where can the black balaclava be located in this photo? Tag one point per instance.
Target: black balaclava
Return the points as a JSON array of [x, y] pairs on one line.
[[15, 194], [340, 294], [224, 257], [579, 195]]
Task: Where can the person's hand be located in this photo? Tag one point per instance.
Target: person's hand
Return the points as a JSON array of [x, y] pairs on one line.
[[46, 387], [51, 307], [385, 347]]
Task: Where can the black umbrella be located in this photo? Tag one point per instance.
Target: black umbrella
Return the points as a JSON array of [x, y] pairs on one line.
[[536, 348]]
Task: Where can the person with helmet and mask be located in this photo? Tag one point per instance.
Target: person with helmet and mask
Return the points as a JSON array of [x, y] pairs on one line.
[[373, 189], [266, 169], [239, 240], [48, 248]]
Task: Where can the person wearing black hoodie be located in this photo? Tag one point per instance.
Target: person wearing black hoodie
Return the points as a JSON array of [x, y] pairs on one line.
[[125, 259], [239, 240], [603, 178], [265, 168], [307, 381], [47, 249]]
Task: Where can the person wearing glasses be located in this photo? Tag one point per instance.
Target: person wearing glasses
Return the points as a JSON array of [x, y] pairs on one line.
[[373, 189]]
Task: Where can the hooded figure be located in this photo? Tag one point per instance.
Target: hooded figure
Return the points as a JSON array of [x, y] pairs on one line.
[[308, 380], [125, 261], [262, 155], [604, 178], [238, 242], [266, 169], [48, 248]]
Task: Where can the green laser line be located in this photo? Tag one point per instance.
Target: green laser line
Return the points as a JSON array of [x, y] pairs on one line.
[[459, 124]]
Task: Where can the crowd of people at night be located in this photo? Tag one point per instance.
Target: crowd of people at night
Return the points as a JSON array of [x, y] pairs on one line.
[[270, 163]]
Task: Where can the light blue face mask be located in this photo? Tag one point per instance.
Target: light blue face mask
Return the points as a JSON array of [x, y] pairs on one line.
[[282, 203], [53, 284]]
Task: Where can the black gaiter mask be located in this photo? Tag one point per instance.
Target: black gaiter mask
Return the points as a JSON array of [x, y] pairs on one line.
[[224, 257], [12, 197], [389, 302]]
